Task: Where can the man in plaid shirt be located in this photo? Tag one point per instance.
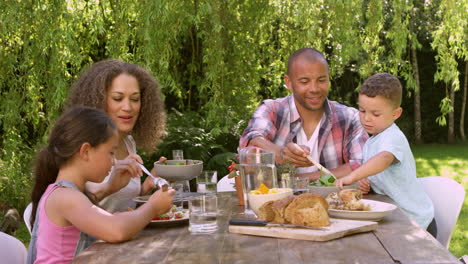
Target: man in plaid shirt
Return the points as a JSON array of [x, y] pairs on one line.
[[307, 123]]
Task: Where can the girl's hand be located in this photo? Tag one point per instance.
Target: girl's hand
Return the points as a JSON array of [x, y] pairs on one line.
[[123, 170], [162, 201]]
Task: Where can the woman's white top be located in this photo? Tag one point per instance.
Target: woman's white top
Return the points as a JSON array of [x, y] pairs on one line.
[[123, 199]]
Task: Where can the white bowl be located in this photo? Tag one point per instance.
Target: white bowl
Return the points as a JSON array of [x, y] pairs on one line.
[[170, 170], [257, 200], [326, 190]]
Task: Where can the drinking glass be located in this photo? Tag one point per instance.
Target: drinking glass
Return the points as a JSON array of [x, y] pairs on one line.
[[286, 181], [178, 154], [206, 182], [301, 185], [257, 166], [203, 214]]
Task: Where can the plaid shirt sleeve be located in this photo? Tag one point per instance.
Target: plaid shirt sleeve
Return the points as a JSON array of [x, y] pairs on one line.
[[266, 121]]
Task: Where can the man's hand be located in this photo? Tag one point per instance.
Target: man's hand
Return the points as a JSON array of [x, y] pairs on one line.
[[295, 154]]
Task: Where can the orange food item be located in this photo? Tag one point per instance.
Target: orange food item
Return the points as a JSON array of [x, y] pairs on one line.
[[263, 189]]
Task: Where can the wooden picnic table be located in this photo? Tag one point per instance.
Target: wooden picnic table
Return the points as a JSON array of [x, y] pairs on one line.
[[397, 239]]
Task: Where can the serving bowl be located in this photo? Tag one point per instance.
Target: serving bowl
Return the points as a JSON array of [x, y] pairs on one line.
[[257, 200], [178, 170]]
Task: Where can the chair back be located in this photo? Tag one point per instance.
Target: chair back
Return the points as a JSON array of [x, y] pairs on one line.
[[12, 251], [447, 195], [226, 185], [27, 216]]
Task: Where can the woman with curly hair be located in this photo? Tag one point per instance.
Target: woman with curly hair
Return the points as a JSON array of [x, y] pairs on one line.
[[132, 99]]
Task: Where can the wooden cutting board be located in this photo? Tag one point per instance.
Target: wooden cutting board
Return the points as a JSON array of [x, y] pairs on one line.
[[338, 228]]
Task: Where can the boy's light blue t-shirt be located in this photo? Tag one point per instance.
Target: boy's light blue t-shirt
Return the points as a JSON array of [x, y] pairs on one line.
[[398, 181]]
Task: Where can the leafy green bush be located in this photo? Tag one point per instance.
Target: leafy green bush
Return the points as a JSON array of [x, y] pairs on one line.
[[192, 133]]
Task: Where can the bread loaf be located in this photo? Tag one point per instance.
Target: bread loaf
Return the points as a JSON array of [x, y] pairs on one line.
[[306, 209], [306, 200], [266, 213], [279, 208], [317, 215]]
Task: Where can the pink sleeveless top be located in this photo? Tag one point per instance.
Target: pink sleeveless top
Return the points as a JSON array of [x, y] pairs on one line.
[[55, 244]]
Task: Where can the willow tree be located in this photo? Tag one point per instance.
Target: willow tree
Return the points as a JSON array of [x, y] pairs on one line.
[[450, 44]]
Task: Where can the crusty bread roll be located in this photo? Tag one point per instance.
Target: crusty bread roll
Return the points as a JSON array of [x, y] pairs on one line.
[[317, 215], [305, 200], [279, 207], [266, 213]]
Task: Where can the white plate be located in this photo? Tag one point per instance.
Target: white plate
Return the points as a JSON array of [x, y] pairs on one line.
[[378, 211], [172, 222]]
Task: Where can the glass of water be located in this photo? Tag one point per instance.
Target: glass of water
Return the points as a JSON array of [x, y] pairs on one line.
[[206, 182], [301, 185], [203, 214], [178, 154]]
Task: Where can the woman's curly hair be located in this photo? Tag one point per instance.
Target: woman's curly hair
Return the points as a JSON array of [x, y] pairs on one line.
[[90, 89]]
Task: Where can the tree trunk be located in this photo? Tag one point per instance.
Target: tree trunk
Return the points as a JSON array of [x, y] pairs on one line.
[[417, 102], [463, 108], [451, 117]]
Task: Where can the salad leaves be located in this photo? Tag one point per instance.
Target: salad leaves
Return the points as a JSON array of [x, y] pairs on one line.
[[325, 180]]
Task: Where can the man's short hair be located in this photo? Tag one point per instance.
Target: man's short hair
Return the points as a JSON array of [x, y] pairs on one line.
[[383, 84], [309, 53]]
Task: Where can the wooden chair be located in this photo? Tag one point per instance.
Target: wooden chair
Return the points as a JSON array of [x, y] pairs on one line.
[[12, 251], [447, 196]]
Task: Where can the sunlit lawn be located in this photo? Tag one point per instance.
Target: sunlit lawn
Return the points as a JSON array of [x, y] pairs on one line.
[[448, 161]]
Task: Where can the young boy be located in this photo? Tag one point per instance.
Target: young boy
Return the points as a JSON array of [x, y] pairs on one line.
[[387, 159]]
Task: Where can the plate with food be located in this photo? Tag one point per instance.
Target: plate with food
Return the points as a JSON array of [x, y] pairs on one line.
[[175, 216], [349, 204]]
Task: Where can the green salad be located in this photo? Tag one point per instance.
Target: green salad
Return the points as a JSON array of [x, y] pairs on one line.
[[326, 180]]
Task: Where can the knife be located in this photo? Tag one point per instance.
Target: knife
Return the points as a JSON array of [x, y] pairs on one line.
[[320, 167], [249, 222]]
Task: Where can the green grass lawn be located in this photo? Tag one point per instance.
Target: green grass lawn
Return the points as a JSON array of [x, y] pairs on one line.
[[448, 161], [431, 160]]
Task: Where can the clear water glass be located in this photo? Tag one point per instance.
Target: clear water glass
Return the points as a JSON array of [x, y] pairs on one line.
[[178, 154], [206, 182], [301, 185], [203, 210]]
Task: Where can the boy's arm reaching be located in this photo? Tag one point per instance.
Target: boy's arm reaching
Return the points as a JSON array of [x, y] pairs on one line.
[[374, 165]]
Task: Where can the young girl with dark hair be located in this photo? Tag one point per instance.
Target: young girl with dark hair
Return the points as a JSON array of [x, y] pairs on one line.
[[81, 148]]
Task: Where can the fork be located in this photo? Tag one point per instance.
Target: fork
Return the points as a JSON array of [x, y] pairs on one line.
[[131, 146]]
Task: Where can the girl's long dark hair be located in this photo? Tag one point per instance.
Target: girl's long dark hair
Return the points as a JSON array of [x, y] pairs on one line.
[[73, 128]]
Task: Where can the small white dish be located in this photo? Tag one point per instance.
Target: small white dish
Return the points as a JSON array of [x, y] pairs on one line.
[[377, 212]]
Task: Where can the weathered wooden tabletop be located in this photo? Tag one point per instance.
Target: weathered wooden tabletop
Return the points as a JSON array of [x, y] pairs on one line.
[[397, 239]]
